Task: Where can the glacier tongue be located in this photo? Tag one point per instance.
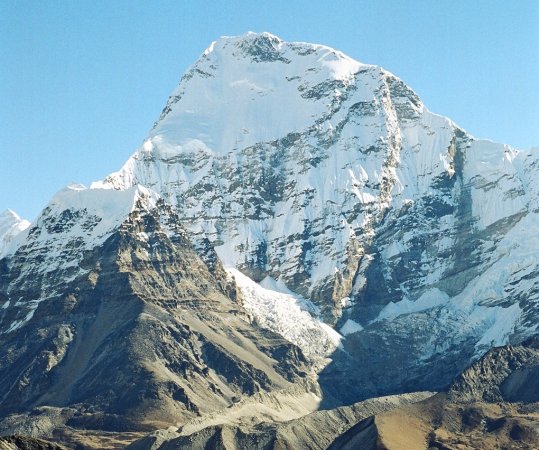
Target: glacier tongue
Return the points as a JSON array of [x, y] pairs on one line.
[[287, 314]]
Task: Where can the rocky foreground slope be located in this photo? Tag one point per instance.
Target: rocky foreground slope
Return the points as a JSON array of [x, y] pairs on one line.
[[127, 330], [493, 404], [27, 443], [297, 227]]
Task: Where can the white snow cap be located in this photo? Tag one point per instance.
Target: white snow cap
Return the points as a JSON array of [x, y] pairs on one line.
[[10, 226], [234, 90], [93, 215]]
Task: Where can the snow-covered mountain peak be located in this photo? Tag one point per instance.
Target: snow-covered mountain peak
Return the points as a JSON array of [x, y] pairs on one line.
[[233, 96], [80, 215], [250, 43], [267, 48], [10, 226], [8, 214], [107, 204], [266, 139], [257, 88]]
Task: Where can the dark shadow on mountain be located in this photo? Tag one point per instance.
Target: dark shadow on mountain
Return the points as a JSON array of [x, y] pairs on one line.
[[376, 363]]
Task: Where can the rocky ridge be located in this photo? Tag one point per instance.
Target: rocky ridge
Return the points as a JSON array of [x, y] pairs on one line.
[[491, 405], [142, 335], [316, 430]]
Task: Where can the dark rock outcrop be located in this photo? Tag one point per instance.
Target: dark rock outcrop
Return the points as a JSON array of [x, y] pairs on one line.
[[17, 442]]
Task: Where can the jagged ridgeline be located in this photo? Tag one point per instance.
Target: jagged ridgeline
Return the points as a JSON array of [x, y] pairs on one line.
[[297, 232]]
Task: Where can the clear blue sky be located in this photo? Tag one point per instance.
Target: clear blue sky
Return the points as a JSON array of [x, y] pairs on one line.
[[81, 82]]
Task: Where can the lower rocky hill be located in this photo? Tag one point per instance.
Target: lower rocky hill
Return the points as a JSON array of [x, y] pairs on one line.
[[27, 443], [143, 336], [438, 423], [491, 405], [315, 430]]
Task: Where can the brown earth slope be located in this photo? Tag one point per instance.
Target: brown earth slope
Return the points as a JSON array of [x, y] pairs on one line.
[[491, 405]]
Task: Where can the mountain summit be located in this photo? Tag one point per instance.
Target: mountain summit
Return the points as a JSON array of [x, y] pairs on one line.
[[294, 218], [10, 225]]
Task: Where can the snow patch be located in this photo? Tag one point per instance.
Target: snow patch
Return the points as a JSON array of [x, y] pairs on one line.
[[16, 324], [429, 299], [501, 322], [350, 327]]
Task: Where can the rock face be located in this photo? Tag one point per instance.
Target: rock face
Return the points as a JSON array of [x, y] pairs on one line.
[[27, 443], [503, 374], [127, 329]]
